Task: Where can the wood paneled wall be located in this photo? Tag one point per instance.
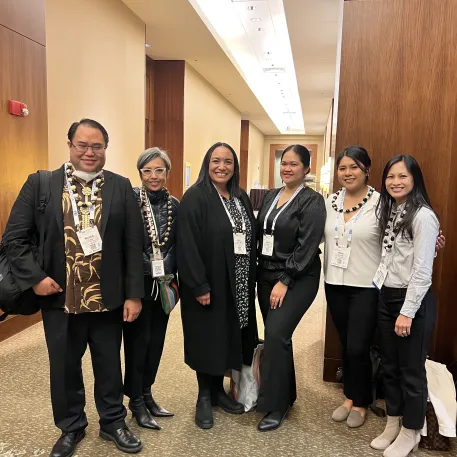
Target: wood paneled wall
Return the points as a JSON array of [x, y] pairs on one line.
[[165, 115], [23, 140], [244, 154], [397, 94]]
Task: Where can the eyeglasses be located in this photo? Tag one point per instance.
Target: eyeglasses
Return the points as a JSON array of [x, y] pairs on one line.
[[159, 172], [82, 147]]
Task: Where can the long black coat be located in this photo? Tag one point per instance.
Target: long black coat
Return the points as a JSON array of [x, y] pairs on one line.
[[121, 232], [213, 340]]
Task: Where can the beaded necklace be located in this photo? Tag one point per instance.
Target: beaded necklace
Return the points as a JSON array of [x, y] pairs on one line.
[[153, 231], [355, 208]]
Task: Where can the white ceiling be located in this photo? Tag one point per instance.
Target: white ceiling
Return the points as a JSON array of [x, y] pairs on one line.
[[176, 32]]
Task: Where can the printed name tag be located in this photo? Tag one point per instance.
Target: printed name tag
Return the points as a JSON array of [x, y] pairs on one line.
[[268, 244], [239, 242], [90, 240], [380, 276], [341, 256], [157, 268]]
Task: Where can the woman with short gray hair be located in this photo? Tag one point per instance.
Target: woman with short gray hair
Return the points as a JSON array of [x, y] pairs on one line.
[[144, 340]]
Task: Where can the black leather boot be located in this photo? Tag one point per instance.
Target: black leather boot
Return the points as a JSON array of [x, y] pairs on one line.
[[272, 420], [227, 403], [141, 414], [65, 446], [153, 407], [204, 412], [123, 438]]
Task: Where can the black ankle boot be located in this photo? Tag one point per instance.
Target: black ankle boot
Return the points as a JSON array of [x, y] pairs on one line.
[[204, 412], [153, 407], [141, 414], [272, 420], [226, 402]]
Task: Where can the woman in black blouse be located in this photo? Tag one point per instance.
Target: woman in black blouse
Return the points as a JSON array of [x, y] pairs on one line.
[[216, 263], [291, 224]]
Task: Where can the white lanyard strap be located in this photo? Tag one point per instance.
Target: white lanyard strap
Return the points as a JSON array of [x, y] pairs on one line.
[[238, 206], [354, 220], [283, 207], [74, 205]]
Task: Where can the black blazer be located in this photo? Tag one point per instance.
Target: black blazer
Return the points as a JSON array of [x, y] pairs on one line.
[[213, 341], [121, 232]]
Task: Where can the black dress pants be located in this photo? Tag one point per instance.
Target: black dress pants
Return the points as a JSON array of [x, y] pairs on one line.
[[354, 312], [67, 337], [144, 340], [278, 387], [403, 358]]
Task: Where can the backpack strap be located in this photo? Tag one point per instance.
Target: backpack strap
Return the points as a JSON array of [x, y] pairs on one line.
[[44, 196]]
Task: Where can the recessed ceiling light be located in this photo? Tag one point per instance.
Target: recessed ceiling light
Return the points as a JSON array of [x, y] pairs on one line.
[[148, 45], [256, 19]]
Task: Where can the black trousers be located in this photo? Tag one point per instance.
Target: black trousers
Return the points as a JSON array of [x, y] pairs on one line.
[[209, 385], [403, 358], [354, 312], [278, 387], [144, 339], [67, 337]]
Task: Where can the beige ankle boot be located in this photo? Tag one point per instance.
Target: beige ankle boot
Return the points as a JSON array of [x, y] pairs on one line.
[[389, 435], [407, 441]]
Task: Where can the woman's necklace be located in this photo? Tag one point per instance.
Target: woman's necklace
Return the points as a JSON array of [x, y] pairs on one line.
[[354, 208], [153, 231], [394, 226]]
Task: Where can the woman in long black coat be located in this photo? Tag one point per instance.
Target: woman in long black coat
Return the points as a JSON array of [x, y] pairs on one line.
[[216, 249]]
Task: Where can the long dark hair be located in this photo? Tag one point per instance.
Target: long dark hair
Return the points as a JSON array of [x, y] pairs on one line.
[[359, 155], [415, 200], [233, 185]]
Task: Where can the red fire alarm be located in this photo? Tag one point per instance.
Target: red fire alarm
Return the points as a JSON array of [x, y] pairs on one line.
[[18, 108]]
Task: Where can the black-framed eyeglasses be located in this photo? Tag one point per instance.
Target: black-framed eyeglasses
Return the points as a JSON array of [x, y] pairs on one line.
[[97, 148], [159, 172]]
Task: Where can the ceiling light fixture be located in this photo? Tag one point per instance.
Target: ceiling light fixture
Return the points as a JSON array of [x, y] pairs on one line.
[[230, 22]]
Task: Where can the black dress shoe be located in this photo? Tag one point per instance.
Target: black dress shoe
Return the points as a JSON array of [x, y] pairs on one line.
[[65, 446], [124, 439], [227, 403], [153, 407], [272, 420], [204, 413], [141, 414]]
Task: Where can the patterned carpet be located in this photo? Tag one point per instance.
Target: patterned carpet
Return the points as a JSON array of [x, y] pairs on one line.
[[27, 429]]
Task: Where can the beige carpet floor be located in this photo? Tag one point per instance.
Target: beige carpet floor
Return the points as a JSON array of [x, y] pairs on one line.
[[27, 429]]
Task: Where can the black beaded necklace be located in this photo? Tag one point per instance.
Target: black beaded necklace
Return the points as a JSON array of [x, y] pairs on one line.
[[393, 228], [354, 208], [153, 231]]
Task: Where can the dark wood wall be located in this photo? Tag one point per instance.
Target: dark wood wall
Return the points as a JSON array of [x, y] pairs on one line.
[[244, 154], [397, 94], [165, 115], [23, 140]]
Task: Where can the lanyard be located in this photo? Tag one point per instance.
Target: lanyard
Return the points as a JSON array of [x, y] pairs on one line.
[[354, 220], [74, 206], [238, 206], [283, 207]]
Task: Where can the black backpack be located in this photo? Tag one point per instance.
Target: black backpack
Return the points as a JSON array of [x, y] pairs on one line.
[[12, 299]]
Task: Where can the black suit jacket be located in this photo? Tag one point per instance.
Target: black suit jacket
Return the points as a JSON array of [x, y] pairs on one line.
[[121, 232]]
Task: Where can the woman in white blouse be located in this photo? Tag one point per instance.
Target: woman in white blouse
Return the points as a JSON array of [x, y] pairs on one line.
[[406, 316], [352, 256]]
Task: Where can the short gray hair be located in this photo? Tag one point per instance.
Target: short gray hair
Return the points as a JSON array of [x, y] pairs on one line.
[[151, 154]]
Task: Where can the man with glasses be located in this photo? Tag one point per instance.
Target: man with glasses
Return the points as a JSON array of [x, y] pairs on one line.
[[89, 281]]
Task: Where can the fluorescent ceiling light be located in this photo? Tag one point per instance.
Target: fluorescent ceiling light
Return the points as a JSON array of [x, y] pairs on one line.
[[262, 55]]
